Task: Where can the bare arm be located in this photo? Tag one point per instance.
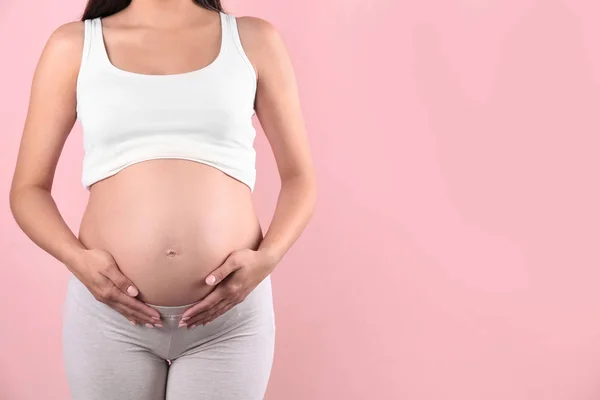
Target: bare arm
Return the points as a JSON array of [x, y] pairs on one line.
[[50, 118], [278, 110]]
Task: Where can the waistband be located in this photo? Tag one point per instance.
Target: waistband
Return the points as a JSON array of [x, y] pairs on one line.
[[81, 292], [172, 311]]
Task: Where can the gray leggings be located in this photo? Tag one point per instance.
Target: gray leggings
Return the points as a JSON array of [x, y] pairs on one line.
[[107, 358]]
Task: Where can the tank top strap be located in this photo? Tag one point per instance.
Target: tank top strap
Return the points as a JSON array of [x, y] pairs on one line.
[[87, 35], [231, 29], [96, 39], [233, 44], [228, 43], [89, 56], [87, 41], [92, 44], [95, 30]]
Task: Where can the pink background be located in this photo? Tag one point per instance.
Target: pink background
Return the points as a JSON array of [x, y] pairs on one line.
[[454, 250]]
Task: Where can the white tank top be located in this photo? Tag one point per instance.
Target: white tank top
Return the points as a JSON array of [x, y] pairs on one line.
[[204, 115]]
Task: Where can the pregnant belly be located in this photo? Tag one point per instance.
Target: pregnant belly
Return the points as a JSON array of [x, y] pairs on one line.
[[169, 223]]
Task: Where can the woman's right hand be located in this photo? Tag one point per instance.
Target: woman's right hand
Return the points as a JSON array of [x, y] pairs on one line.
[[98, 271]]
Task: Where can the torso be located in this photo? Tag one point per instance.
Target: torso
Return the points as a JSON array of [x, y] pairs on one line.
[[168, 224]]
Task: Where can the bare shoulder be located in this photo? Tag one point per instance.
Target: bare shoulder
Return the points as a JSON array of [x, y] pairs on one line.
[[260, 39], [256, 27], [65, 45], [67, 38], [259, 34]]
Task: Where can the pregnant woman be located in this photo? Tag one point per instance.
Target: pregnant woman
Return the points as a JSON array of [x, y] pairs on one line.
[[169, 295]]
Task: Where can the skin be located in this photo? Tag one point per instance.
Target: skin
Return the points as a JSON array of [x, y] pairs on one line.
[[51, 116]]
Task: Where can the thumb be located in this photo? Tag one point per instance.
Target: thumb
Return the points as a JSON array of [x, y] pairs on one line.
[[230, 264], [121, 281]]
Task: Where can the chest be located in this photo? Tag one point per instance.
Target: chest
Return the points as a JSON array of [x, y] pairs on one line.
[[111, 108]]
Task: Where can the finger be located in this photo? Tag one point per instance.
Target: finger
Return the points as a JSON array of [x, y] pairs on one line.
[[136, 317], [209, 301], [217, 314], [121, 281], [124, 312], [217, 309], [149, 314], [198, 318], [232, 296], [232, 263]]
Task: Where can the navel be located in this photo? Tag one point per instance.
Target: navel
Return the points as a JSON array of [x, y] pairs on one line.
[[171, 253]]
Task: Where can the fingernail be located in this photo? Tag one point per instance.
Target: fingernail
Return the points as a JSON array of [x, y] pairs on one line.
[[150, 325], [156, 318], [185, 318], [132, 322], [211, 279], [158, 325], [132, 291], [182, 324], [193, 326]]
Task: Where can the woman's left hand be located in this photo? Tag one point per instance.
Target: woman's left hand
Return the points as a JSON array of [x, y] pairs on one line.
[[241, 272]]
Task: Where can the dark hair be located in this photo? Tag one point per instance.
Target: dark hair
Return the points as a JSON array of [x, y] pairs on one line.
[[104, 8]]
